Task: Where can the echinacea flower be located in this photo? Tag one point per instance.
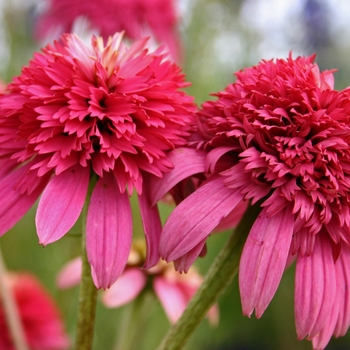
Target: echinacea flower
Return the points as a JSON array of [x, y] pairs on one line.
[[279, 138], [137, 18], [110, 114], [174, 290], [41, 320]]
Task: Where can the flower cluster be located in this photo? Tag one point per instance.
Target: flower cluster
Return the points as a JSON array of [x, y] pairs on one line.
[[279, 137], [106, 113], [91, 124]]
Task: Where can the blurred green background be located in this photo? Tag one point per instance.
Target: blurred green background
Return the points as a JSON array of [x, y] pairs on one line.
[[219, 38]]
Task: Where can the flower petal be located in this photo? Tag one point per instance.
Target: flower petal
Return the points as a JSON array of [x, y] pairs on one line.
[[321, 340], [184, 263], [343, 291], [61, 203], [151, 225], [108, 231], [15, 203], [195, 217], [70, 274], [171, 296], [233, 218], [187, 162], [126, 289], [264, 259], [314, 288]]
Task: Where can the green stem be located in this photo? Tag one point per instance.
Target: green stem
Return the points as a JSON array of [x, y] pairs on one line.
[[87, 293], [219, 276]]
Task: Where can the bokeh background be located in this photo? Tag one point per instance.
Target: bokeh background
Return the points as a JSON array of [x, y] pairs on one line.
[[219, 38]]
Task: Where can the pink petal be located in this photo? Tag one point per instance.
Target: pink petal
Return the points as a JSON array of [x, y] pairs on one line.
[[187, 162], [314, 288], [189, 284], [213, 315], [338, 320], [184, 263], [195, 217], [233, 218], [214, 155], [127, 288], [108, 231], [70, 275], [171, 296], [320, 341], [264, 259], [152, 227], [15, 203], [61, 203], [343, 291]]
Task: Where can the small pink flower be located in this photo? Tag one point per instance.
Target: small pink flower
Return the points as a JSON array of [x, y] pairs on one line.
[[40, 317], [79, 112], [173, 290], [137, 18], [279, 137]]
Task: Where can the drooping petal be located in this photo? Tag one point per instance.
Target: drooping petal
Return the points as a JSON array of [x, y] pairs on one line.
[[321, 339], [263, 260], [171, 296], [15, 203], [338, 320], [151, 225], [314, 288], [343, 282], [195, 217], [187, 162], [70, 275], [233, 218], [108, 231], [61, 203], [184, 263], [128, 286]]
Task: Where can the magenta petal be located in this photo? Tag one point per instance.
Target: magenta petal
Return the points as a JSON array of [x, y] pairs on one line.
[[70, 275], [61, 203], [187, 162], [108, 231], [195, 217], [126, 289], [314, 288], [15, 203], [321, 340], [171, 296], [343, 291], [233, 218], [264, 259], [184, 263], [152, 227]]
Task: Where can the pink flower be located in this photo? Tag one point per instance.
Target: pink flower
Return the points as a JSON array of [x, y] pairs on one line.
[[137, 18], [279, 138], [41, 320], [173, 290], [107, 113]]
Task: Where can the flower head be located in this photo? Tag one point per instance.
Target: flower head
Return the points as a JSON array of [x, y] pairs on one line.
[[40, 317], [136, 17], [112, 113], [278, 137]]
